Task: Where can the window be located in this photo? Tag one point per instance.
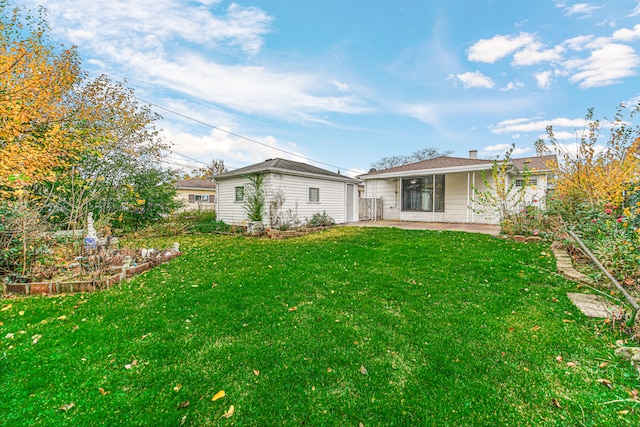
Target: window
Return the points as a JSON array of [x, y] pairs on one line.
[[314, 195], [532, 182], [202, 198], [423, 194], [239, 194]]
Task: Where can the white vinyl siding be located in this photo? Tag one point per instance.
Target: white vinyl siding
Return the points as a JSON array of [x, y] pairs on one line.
[[332, 198]]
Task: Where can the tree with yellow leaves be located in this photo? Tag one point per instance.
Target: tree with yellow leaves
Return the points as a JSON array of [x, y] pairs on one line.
[[37, 132], [598, 172]]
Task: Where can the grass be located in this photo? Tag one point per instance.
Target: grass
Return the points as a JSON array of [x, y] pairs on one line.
[[348, 326]]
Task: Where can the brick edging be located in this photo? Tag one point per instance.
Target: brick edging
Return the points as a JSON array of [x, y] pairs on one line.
[[52, 288]]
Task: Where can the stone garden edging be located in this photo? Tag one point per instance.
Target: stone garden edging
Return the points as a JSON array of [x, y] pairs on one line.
[[59, 287]]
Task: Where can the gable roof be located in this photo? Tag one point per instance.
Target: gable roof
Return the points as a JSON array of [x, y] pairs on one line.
[[285, 166], [446, 164], [195, 184]]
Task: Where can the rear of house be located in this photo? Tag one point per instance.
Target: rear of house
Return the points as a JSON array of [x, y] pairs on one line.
[[442, 189], [304, 190]]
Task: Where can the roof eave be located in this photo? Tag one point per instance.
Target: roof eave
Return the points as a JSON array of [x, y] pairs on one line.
[[438, 171]]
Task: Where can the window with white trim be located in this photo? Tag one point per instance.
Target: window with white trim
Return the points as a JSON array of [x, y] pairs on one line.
[[240, 194], [314, 195], [425, 193]]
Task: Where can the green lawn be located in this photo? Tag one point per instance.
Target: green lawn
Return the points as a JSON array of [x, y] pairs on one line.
[[382, 327]]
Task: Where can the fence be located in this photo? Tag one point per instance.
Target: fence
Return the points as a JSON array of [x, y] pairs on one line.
[[370, 209]]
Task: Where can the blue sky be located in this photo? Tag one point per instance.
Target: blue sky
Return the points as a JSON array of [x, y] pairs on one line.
[[344, 83]]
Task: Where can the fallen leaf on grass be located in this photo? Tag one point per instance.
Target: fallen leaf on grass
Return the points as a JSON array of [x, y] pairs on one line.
[[218, 395], [131, 365], [567, 321], [559, 359], [363, 370], [183, 404], [535, 328], [555, 300], [230, 412], [571, 364], [36, 338], [62, 318], [177, 388], [6, 307], [603, 365], [103, 392], [293, 309], [555, 403], [605, 383], [623, 412], [67, 407], [256, 372]]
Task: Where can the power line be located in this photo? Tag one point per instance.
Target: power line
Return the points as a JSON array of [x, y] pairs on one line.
[[241, 136]]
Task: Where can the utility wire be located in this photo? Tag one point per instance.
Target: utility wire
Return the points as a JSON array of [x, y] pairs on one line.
[[242, 136]]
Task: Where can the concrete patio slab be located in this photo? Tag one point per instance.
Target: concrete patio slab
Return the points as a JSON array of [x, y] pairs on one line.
[[493, 230]]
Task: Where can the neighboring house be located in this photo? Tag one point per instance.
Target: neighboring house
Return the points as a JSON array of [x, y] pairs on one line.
[[306, 190], [196, 194], [441, 189]]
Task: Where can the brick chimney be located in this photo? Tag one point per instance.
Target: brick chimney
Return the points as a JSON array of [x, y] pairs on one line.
[[473, 154]]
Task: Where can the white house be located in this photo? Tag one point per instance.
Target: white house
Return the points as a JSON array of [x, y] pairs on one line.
[[441, 189], [306, 190]]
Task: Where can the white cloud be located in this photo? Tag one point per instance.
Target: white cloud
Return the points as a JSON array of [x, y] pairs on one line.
[[584, 10], [343, 87], [543, 79], [532, 54], [627, 35], [499, 150], [219, 144], [578, 43], [606, 65], [512, 86], [636, 11], [138, 40], [475, 79], [535, 125], [498, 47]]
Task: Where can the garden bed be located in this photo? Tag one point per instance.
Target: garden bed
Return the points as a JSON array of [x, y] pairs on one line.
[[53, 287]]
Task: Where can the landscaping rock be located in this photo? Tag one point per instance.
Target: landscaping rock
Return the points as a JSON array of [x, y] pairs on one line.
[[519, 238], [630, 353]]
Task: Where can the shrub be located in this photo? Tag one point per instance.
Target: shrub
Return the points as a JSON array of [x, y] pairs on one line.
[[320, 220]]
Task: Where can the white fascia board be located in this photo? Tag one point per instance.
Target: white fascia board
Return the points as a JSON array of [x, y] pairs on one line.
[[313, 175], [344, 178], [421, 172]]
